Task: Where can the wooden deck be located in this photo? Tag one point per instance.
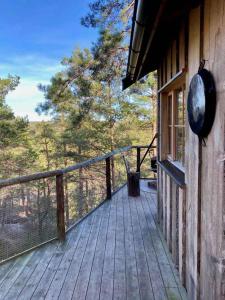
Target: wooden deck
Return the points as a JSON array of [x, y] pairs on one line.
[[117, 252]]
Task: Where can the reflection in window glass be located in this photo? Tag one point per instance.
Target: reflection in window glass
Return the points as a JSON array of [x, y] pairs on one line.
[[180, 108], [180, 138], [176, 125], [179, 126], [170, 124]]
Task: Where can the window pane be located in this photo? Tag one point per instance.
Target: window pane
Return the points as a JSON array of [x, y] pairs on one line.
[[180, 140], [169, 124], [179, 108], [170, 110], [170, 141]]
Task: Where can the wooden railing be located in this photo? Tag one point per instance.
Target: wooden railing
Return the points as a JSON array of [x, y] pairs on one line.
[[59, 180]]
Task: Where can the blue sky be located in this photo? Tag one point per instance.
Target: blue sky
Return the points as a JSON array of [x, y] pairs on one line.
[[34, 37]]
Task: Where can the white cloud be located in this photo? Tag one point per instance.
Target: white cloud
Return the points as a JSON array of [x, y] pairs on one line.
[[25, 98], [32, 70], [30, 66]]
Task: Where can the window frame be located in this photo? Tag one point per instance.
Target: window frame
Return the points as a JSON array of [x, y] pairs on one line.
[[171, 126]]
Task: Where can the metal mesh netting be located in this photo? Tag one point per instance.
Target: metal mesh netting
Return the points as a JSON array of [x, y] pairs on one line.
[[119, 174], [146, 170], [27, 216], [28, 212], [84, 189]]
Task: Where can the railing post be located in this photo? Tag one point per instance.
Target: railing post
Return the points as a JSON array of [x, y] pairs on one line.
[[60, 207], [108, 179], [138, 159]]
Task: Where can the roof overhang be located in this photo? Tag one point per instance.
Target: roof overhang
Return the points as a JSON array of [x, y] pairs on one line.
[[155, 23]]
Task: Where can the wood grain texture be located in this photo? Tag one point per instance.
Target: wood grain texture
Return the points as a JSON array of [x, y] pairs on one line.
[[192, 163], [212, 273]]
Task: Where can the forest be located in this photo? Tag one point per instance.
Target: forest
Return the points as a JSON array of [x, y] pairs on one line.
[[90, 116]]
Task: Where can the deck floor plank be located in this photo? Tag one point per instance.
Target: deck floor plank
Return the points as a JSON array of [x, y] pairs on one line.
[[14, 273], [154, 268], [132, 284], [31, 284], [117, 252], [119, 291], [74, 268], [19, 284], [94, 285], [107, 282], [60, 275], [142, 266], [86, 266]]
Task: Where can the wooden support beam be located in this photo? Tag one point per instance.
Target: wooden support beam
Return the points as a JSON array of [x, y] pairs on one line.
[[138, 159], [108, 178], [60, 207]]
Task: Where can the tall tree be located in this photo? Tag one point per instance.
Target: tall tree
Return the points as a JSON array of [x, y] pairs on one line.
[[13, 133]]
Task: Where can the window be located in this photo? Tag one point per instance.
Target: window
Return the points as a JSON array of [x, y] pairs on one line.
[[176, 125]]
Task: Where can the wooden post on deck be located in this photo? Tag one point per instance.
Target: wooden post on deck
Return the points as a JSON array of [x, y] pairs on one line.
[[138, 159], [108, 179], [60, 207]]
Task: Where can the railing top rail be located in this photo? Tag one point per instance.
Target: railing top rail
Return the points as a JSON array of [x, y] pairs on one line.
[[46, 174]]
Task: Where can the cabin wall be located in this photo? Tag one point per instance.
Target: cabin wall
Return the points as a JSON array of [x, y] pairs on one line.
[[192, 165], [192, 217], [172, 196], [212, 273]]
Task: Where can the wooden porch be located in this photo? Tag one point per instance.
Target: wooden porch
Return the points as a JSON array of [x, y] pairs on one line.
[[117, 252]]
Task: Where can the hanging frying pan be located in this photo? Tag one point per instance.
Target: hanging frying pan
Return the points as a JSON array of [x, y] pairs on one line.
[[201, 103]]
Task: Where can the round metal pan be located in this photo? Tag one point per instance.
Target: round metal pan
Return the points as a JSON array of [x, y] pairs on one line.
[[201, 103]]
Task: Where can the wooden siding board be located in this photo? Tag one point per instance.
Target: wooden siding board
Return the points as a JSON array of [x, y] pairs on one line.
[[212, 281], [192, 162]]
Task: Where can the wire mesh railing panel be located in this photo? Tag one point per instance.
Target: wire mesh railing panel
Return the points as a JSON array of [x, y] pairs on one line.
[[131, 156], [39, 210], [85, 189], [118, 172], [27, 216], [148, 166]]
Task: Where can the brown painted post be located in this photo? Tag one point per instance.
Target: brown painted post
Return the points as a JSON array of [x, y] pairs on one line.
[[138, 159], [60, 207], [108, 179]]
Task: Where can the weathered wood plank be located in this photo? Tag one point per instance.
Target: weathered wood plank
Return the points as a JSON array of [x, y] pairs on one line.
[[173, 293], [132, 284], [168, 212], [153, 265], [182, 235], [5, 269], [14, 273], [60, 275], [81, 286], [164, 200], [174, 222], [94, 285], [18, 285], [60, 208], [192, 159], [119, 288], [142, 266], [76, 261], [212, 273], [109, 262], [43, 286], [31, 284]]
